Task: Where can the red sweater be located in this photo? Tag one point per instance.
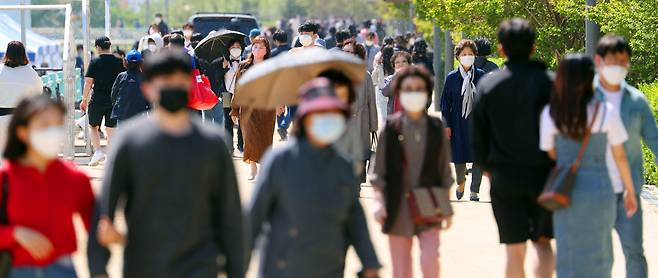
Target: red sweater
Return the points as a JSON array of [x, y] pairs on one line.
[[45, 202]]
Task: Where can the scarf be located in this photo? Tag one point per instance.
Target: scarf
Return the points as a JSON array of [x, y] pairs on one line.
[[468, 91]]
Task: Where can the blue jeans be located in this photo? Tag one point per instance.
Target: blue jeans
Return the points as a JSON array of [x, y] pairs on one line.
[[630, 235], [62, 268], [216, 114], [284, 121]]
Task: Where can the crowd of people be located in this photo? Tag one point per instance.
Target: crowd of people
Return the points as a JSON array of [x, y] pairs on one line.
[[173, 177]]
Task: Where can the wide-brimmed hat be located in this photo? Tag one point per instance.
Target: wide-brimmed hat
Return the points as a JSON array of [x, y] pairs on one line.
[[319, 95]]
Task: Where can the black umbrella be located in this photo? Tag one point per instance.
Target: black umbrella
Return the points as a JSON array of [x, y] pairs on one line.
[[216, 44]]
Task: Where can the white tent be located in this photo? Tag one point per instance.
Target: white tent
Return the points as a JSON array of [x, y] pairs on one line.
[[39, 48]]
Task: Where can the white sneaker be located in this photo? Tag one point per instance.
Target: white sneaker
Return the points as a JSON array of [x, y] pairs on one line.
[[97, 158]]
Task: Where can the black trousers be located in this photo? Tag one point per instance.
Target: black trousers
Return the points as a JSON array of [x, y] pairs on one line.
[[228, 126]]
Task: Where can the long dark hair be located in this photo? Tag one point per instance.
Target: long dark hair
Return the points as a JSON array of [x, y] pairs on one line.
[[387, 54], [15, 55], [572, 93], [23, 114], [246, 64]]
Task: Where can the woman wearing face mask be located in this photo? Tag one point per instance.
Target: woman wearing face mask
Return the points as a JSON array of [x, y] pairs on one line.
[[311, 224], [400, 61], [457, 103], [257, 125], [42, 193], [227, 79], [415, 142], [188, 32]]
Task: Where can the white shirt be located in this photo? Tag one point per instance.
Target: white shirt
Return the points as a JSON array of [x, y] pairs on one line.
[[612, 126], [229, 77], [18, 83], [615, 99]]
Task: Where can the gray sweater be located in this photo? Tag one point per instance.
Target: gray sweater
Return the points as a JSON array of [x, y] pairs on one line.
[[182, 204]]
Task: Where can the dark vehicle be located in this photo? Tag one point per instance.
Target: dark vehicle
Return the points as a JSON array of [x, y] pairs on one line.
[[204, 23]]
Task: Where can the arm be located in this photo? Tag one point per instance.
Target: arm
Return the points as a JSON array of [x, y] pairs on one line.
[[358, 236], [97, 255], [481, 133], [116, 87], [86, 93], [630, 202], [229, 226], [263, 200], [650, 131], [372, 105], [7, 239], [117, 177], [446, 105]]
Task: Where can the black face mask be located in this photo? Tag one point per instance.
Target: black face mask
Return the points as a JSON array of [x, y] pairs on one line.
[[173, 99]]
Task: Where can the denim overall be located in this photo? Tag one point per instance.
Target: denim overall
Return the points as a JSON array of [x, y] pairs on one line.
[[583, 231]]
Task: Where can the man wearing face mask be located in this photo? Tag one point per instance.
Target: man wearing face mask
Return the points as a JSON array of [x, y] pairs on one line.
[[184, 208], [612, 59], [308, 34], [164, 28]]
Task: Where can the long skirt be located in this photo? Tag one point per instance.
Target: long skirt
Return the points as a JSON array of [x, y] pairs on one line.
[[258, 131]]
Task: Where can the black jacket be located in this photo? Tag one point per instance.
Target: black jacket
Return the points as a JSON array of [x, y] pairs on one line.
[[506, 116], [484, 64], [127, 96], [279, 50]]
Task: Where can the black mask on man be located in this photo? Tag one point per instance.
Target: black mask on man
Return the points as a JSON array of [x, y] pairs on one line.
[[173, 99]]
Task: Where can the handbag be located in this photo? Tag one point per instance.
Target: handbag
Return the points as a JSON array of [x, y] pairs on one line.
[[5, 255], [559, 185], [227, 97], [429, 205], [201, 96]]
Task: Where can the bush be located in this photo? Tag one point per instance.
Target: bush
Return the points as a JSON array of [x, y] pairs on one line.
[[650, 168]]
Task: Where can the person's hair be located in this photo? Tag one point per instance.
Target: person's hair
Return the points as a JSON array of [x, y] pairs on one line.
[[404, 54], [166, 39], [342, 36], [483, 45], [400, 40], [309, 27], [370, 35], [132, 66], [387, 55], [339, 78], [464, 44], [158, 15], [79, 47], [280, 36], [177, 40], [420, 49], [388, 40], [167, 62], [15, 55], [188, 26], [197, 37], [414, 71], [517, 37], [332, 30], [611, 44], [155, 27], [359, 50], [572, 93], [239, 41], [246, 64], [26, 110], [103, 43]]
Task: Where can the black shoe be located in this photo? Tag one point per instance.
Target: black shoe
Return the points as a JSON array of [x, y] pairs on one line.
[[460, 195], [475, 198]]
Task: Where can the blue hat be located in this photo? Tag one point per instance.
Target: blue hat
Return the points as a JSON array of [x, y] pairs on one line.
[[134, 56], [254, 33]]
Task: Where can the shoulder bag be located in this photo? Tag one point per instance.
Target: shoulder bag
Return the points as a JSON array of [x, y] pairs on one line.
[[560, 183]]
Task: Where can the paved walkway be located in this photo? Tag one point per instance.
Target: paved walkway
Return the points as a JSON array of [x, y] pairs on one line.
[[469, 249]]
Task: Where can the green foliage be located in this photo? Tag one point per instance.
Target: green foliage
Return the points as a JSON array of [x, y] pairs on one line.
[[650, 167]]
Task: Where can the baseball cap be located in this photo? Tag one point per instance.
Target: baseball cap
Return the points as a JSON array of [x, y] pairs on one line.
[[134, 56], [254, 33]]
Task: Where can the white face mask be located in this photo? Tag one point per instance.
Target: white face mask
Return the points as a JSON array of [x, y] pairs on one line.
[[235, 52], [152, 47], [614, 74], [47, 141], [188, 33], [467, 61], [327, 128], [413, 101], [305, 40], [158, 20]]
